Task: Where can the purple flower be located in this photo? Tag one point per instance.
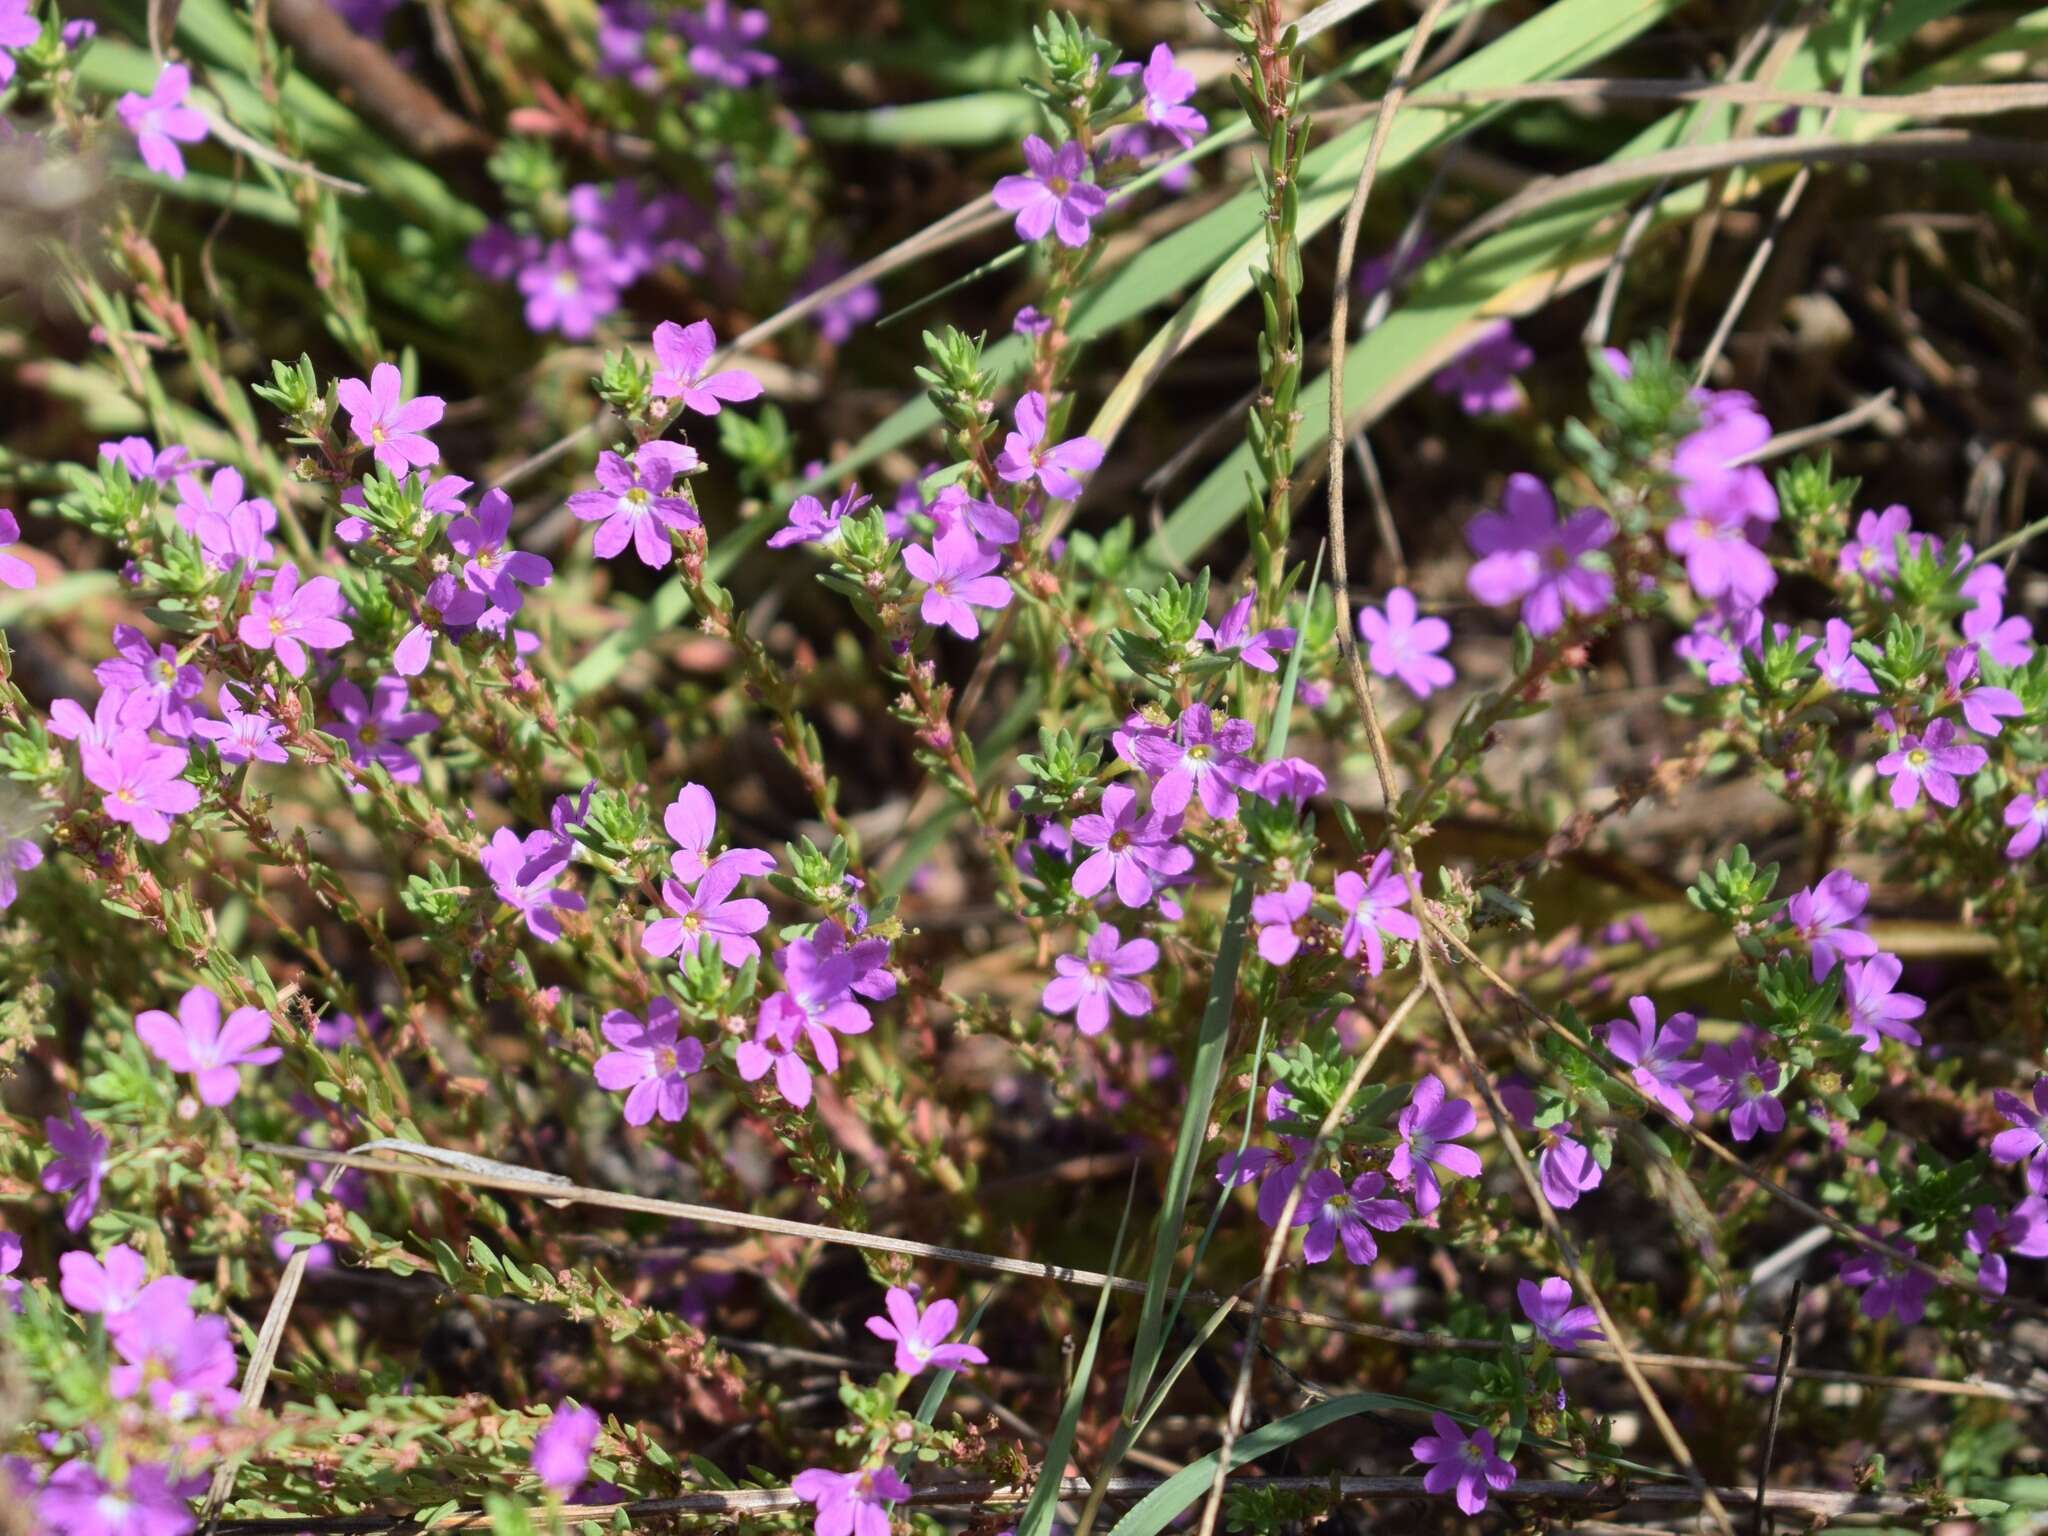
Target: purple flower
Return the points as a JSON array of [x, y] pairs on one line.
[[2027, 1141], [79, 1165], [1874, 552], [291, 619], [850, 1503], [492, 571], [1721, 562], [10, 1261], [17, 856], [186, 1361], [1557, 1322], [158, 689], [1429, 1129], [77, 1501], [692, 821], [447, 605], [142, 783], [1332, 1212], [650, 1063], [393, 429], [812, 522], [1483, 375], [820, 974], [1404, 646], [1566, 1167], [1087, 988], [1288, 778], [102, 728], [18, 29], [1931, 761], [635, 505], [2028, 816], [955, 571], [1232, 637], [1826, 918], [15, 572], [1657, 1056], [1462, 1462], [144, 462], [376, 728], [1736, 1079], [953, 508], [1708, 485], [720, 50], [1889, 1287], [1840, 664], [573, 284], [1167, 90], [2022, 1230], [920, 1336], [117, 1282], [161, 121], [1527, 555], [838, 317], [710, 912], [561, 1451], [2009, 642], [1132, 848], [1983, 706], [212, 1050], [1202, 754], [681, 353], [508, 859], [1372, 905], [1052, 194], [1282, 917], [1025, 456]]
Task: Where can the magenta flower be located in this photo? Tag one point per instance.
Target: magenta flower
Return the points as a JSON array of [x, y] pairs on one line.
[[1890, 1288], [1372, 905], [1025, 456], [1331, 1212], [185, 1361], [1708, 485], [77, 1501], [376, 728], [494, 571], [79, 1165], [1288, 778], [2028, 816], [447, 605], [1566, 1167], [721, 45], [850, 1503], [572, 284], [161, 121], [2027, 1141], [634, 505], [394, 430], [1984, 707], [1874, 552], [920, 1336], [681, 353], [710, 912], [1087, 988], [18, 29], [1527, 555], [561, 1451], [10, 1261], [692, 821], [143, 462], [1202, 755], [102, 728], [1282, 918], [1874, 1008], [18, 855], [1735, 1078], [1430, 1128], [1232, 637], [213, 1051], [15, 572], [2009, 642], [650, 1063], [1404, 646], [820, 973], [953, 508], [1168, 88], [1839, 663], [955, 571], [1132, 848], [158, 689], [2022, 1230], [1656, 1056], [812, 522], [291, 619], [1721, 562], [1550, 1311], [1052, 194], [230, 526], [1931, 761], [1483, 375], [508, 860], [117, 1282], [142, 783], [1463, 1462], [1827, 916]]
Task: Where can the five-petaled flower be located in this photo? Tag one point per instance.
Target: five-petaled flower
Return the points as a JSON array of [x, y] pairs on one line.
[[681, 353], [161, 121], [1088, 986], [955, 573], [850, 1503], [1550, 1310], [1527, 555], [1933, 761], [392, 428], [1399, 644], [1132, 848], [635, 504], [920, 1336], [212, 1049], [291, 618], [1825, 916], [1656, 1056], [1052, 194], [1373, 913], [710, 913], [142, 783], [1429, 1129], [1027, 457], [1462, 1463], [561, 1450], [649, 1062], [1333, 1212], [1873, 1006]]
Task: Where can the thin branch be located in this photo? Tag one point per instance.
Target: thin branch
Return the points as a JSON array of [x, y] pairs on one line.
[[1787, 1347], [1819, 432]]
